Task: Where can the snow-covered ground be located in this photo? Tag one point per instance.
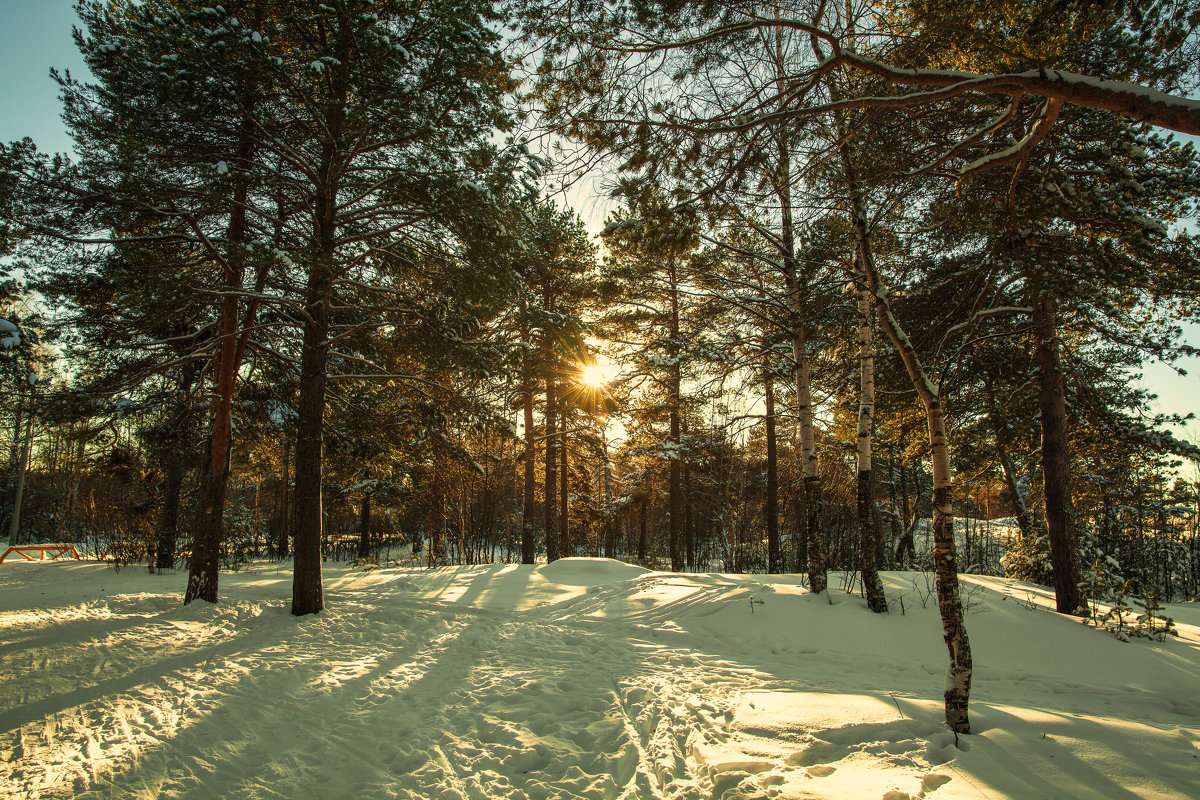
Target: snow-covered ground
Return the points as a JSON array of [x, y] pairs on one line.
[[586, 678]]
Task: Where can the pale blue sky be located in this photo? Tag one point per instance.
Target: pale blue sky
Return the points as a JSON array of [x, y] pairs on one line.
[[35, 35]]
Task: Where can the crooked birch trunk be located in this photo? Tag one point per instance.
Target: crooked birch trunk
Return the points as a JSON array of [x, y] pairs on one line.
[[957, 689]]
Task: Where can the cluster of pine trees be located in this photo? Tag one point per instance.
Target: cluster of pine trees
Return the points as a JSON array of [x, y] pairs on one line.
[[876, 265]]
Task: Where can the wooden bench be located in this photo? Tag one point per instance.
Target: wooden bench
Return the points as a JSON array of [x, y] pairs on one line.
[[51, 551]]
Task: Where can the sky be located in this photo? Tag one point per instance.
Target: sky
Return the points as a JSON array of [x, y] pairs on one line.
[[35, 35]]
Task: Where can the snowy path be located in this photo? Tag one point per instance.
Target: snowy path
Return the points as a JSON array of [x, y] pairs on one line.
[[584, 679], [383, 696]]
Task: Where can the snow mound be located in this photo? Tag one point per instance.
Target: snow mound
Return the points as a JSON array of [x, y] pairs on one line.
[[590, 571]]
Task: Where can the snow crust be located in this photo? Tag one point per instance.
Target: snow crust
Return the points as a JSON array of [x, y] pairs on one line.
[[587, 678]]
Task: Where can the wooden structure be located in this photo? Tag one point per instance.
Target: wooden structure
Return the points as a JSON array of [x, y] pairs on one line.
[[44, 551]]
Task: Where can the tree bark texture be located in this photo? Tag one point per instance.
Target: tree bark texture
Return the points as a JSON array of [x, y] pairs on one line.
[[868, 519], [209, 534], [551, 483], [957, 688], [307, 595], [564, 495], [775, 563], [1056, 464], [674, 390], [528, 537], [364, 528]]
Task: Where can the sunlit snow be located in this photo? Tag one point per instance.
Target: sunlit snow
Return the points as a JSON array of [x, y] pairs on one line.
[[587, 678]]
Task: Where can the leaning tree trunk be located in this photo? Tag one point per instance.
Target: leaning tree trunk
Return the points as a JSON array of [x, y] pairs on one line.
[[1015, 497], [957, 687], [867, 517], [1056, 466]]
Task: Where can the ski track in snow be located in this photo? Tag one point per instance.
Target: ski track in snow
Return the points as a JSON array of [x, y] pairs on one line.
[[377, 697], [500, 682]]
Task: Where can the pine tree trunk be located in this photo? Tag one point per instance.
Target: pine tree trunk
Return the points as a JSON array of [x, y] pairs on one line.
[[209, 534], [285, 515], [364, 528], [528, 538], [689, 509], [14, 522], [437, 521], [1056, 465], [775, 563], [551, 482], [643, 534], [307, 595], [674, 390], [564, 498], [168, 531]]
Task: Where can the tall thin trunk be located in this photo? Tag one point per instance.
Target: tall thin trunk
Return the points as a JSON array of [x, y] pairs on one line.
[[168, 531], [1056, 464], [609, 534], [564, 497], [551, 482], [285, 514], [528, 539], [364, 527], [643, 535], [689, 508], [14, 523], [868, 518], [164, 551], [437, 521], [775, 563], [957, 686], [674, 388], [814, 540]]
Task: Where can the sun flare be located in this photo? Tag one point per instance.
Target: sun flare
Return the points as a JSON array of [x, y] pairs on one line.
[[595, 375]]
